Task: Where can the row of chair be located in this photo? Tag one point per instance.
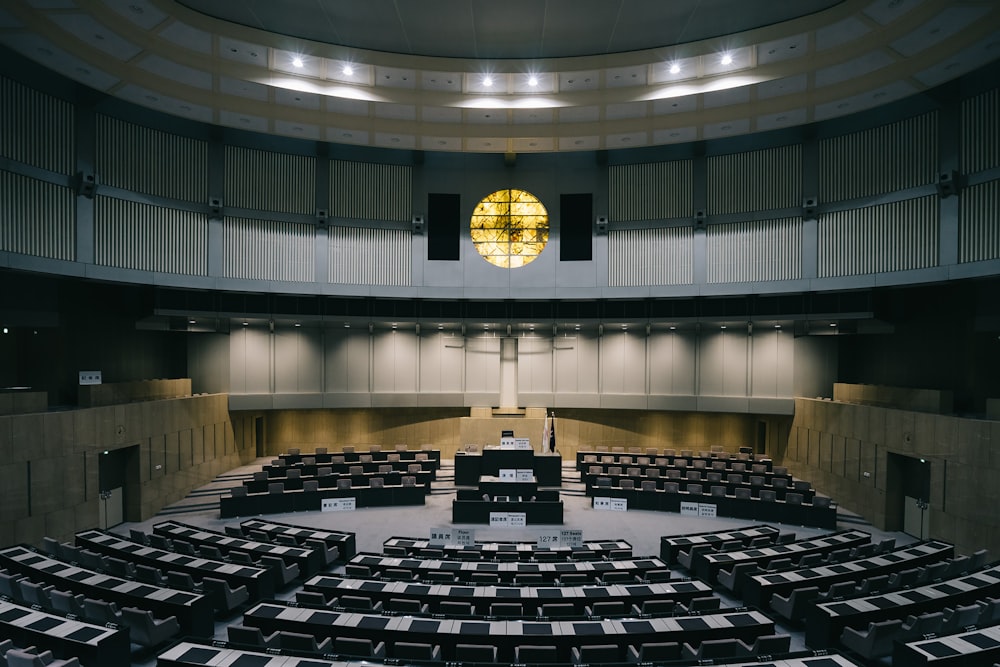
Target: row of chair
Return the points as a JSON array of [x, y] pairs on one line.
[[682, 464], [697, 489], [30, 656]]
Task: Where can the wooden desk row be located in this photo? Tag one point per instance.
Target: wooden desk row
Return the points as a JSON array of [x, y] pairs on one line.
[[424, 475], [530, 597], [345, 541], [671, 545], [506, 635], [584, 459], [194, 612], [594, 487], [525, 551], [379, 456], [259, 581], [254, 504]]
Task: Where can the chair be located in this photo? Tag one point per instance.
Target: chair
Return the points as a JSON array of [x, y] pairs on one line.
[[408, 480], [344, 483], [529, 579], [606, 609], [617, 578], [223, 596], [242, 558], [734, 478], [809, 560], [406, 606], [756, 480], [712, 649], [181, 547], [671, 487], [653, 473], [119, 568], [294, 451], [535, 654], [475, 653], [321, 450], [768, 496], [210, 552], [67, 603], [558, 610], [959, 618], [234, 531], [768, 645], [365, 458], [703, 604], [904, 578], [182, 581], [779, 483], [276, 488], [310, 598], [415, 651], [573, 579], [916, 627], [441, 577], [297, 641], [627, 484], [17, 658], [506, 610], [837, 591], [658, 576], [977, 559], [397, 574], [35, 594], [694, 489], [647, 485], [837, 556], [794, 606], [377, 483], [596, 653], [150, 575], [324, 471], [718, 491], [874, 642], [692, 476], [658, 607], [145, 630], [654, 652], [872, 585], [455, 608], [160, 542], [485, 578], [821, 502], [733, 578], [101, 612], [742, 492], [686, 558], [363, 648], [308, 460], [310, 486]]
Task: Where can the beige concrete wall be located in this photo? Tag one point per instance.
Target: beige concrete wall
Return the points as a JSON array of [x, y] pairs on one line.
[[903, 398], [23, 402], [50, 461], [450, 429], [113, 393], [834, 444]]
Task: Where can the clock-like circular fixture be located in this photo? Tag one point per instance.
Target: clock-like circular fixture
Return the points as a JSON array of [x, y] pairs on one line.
[[510, 228]]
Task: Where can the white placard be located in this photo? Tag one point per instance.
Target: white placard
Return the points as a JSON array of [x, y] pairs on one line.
[[440, 537], [507, 443], [547, 539], [90, 377], [571, 538], [507, 474], [464, 537], [619, 504], [707, 509], [602, 503], [689, 509], [339, 504], [508, 519], [522, 443], [525, 475]]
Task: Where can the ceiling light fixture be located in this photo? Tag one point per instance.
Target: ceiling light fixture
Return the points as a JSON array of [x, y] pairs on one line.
[[533, 81], [488, 81], [675, 69], [297, 61], [348, 70], [727, 59]]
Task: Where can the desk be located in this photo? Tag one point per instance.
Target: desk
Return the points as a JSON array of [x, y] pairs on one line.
[[92, 644], [495, 486], [187, 654], [258, 580], [583, 460], [470, 467], [525, 550], [671, 545], [312, 501], [975, 648], [194, 612], [826, 621], [345, 541], [530, 597], [478, 511], [382, 456], [758, 588]]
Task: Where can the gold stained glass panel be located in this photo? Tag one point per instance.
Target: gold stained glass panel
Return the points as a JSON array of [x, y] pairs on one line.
[[510, 228]]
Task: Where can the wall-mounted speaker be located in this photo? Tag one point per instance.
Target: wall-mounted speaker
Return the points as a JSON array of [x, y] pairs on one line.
[[215, 207], [419, 225], [809, 207], [86, 184], [947, 183], [601, 225], [699, 219], [322, 217]]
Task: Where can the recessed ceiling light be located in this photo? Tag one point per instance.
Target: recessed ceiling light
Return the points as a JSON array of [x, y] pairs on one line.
[[777, 326], [673, 328], [246, 324], [727, 59], [192, 322], [533, 81], [488, 81], [833, 324], [675, 69], [298, 324], [297, 61], [723, 326], [348, 70]]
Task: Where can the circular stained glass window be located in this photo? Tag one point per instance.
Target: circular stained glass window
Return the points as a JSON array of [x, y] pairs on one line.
[[510, 228]]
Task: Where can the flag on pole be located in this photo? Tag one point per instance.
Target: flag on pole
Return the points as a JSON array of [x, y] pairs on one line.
[[552, 434], [545, 433]]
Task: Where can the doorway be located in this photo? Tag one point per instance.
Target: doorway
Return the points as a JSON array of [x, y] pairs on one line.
[[908, 495], [118, 486]]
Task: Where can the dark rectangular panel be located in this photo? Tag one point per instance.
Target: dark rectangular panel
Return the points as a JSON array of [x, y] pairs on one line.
[[576, 221], [443, 226]]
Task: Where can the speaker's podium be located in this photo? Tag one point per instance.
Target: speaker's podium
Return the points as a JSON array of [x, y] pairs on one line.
[[508, 485]]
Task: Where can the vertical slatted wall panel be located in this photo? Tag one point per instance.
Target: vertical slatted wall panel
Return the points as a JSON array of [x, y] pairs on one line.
[[981, 132], [891, 237], [979, 223], [883, 159], [269, 250], [37, 218], [366, 191], [140, 159], [36, 129], [268, 181], [370, 256], [654, 191], [132, 235], [656, 256], [755, 251], [755, 181]]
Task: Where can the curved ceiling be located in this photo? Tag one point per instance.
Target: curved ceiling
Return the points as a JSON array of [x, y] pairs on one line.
[[850, 56], [510, 29]]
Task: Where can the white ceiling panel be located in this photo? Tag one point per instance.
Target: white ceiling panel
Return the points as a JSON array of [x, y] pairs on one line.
[[165, 103], [675, 135], [174, 71], [89, 30], [943, 26], [775, 121], [544, 83], [441, 114], [779, 87], [346, 106], [715, 64], [297, 99], [298, 64], [428, 143], [297, 130], [347, 72], [485, 116], [52, 4], [840, 33], [626, 140], [240, 88], [141, 12], [7, 20], [392, 77], [532, 116], [964, 61], [727, 97], [624, 111], [852, 69], [579, 114], [486, 144], [441, 81], [675, 105], [244, 52], [396, 111], [621, 77], [678, 69], [346, 135], [579, 143], [786, 48], [887, 11], [728, 128], [243, 121], [587, 80], [48, 54], [392, 140], [187, 37], [533, 144], [867, 100]]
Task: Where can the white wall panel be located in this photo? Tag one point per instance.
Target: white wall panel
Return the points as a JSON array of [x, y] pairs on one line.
[[755, 180], [623, 362], [576, 360], [772, 371], [672, 363], [898, 236], [36, 218], [348, 361], [133, 235], [482, 365], [269, 250], [268, 181], [534, 365], [654, 191], [442, 362], [394, 361], [369, 191], [144, 160], [36, 129], [759, 250], [298, 361], [723, 362], [979, 223], [883, 159], [250, 361], [981, 132], [370, 256], [655, 256]]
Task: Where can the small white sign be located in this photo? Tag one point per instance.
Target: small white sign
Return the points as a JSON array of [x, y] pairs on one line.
[[508, 519], [440, 537], [522, 443], [547, 539], [90, 377], [508, 474], [507, 443], [525, 475], [571, 538], [464, 537], [602, 503], [707, 510], [339, 504], [619, 504], [688, 508]]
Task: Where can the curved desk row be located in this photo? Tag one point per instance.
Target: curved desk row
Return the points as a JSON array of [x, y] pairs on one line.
[[254, 504], [670, 545], [523, 550]]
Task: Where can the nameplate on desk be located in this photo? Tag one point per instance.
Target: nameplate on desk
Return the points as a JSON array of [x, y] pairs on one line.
[[611, 504], [522, 443], [547, 539], [571, 538], [707, 510], [524, 475], [507, 474], [508, 519], [440, 537], [689, 508], [339, 504], [508, 443]]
